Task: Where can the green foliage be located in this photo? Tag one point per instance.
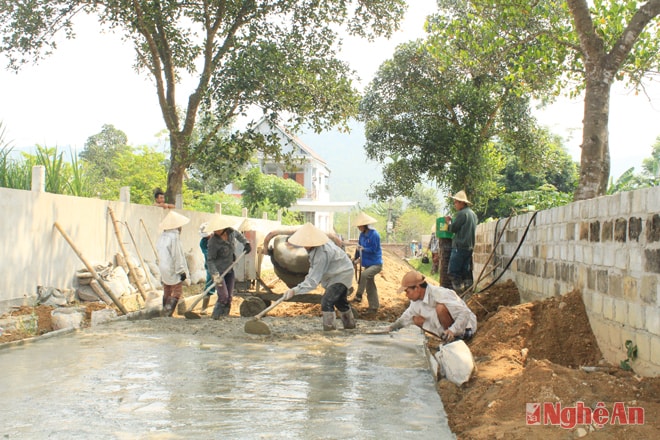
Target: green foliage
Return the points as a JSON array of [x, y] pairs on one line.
[[425, 199], [203, 202], [103, 149], [517, 202], [631, 355], [268, 193], [426, 119], [412, 224], [280, 56], [142, 170]]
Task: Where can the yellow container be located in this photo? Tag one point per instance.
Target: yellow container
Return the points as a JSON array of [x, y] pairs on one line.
[[442, 228]]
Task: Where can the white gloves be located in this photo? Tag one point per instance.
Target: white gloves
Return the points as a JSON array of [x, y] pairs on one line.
[[217, 279], [289, 294]]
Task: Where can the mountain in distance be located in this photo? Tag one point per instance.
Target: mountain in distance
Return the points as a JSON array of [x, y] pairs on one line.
[[351, 173]]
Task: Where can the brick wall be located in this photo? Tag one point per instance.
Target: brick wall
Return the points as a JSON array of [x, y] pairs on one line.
[[608, 248]]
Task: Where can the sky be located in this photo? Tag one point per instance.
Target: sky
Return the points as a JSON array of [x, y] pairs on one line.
[[89, 82]]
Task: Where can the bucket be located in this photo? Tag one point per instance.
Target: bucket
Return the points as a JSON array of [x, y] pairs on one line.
[[442, 228]]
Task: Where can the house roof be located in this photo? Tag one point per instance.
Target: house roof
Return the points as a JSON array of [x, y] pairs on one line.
[[293, 139]]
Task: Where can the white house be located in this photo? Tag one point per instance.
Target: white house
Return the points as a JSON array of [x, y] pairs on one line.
[[312, 173]]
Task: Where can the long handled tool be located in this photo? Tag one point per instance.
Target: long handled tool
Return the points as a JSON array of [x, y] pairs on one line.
[[257, 327], [189, 314]]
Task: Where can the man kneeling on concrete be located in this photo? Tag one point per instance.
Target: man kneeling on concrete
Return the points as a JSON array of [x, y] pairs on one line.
[[434, 308], [329, 266]]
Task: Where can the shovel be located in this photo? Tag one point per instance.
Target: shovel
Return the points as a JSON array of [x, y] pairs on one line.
[[255, 326], [192, 315]]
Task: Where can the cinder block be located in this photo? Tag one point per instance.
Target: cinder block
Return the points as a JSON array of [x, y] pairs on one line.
[[597, 303], [621, 311], [653, 199], [639, 200], [654, 351], [630, 289], [643, 342], [621, 259], [636, 259], [608, 308], [614, 332], [636, 315], [653, 320]]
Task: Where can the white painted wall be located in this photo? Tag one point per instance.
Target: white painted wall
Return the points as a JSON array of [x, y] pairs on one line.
[[34, 253]]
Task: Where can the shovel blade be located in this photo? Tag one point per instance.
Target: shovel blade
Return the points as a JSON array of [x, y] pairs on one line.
[[192, 315], [256, 327]]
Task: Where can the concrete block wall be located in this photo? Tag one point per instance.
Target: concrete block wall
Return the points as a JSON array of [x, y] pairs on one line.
[[34, 253], [608, 248]]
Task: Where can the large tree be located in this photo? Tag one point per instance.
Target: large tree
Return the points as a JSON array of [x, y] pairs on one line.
[[585, 48], [280, 55], [435, 119]]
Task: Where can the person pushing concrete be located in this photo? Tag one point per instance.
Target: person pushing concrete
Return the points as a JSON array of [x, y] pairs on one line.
[[330, 266]]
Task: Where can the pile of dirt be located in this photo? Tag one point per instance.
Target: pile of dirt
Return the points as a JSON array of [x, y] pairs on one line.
[[531, 354]]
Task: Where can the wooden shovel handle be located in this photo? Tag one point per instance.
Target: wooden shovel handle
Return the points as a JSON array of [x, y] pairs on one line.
[[269, 308]]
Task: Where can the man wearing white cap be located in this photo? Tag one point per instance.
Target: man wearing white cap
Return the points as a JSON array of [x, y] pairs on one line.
[[436, 309], [221, 254], [172, 261], [370, 256], [329, 266], [463, 226]]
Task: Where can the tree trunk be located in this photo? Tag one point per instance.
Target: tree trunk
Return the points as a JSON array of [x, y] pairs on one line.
[[178, 165], [595, 158]]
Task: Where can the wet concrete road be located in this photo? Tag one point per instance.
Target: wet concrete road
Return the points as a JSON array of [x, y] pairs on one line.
[[126, 381]]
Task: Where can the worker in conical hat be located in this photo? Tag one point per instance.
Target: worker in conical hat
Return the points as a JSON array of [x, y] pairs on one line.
[[172, 261], [463, 225], [369, 255], [221, 255], [330, 266]]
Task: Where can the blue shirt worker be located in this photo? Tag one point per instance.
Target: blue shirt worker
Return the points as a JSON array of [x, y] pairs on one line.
[[369, 256], [329, 266], [463, 226], [436, 309]]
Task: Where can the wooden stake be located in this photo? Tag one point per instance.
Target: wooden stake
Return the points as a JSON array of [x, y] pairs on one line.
[[129, 262], [144, 267], [91, 269], [150, 242]]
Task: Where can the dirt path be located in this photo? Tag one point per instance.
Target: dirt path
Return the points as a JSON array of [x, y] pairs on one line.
[[525, 354]]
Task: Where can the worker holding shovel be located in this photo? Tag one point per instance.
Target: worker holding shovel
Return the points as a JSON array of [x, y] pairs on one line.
[[369, 256], [436, 309], [329, 266], [221, 255], [171, 260], [205, 235]]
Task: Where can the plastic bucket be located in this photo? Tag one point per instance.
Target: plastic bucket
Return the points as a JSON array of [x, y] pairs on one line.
[[442, 228]]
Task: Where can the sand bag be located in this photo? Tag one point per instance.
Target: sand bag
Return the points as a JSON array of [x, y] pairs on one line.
[[456, 362]]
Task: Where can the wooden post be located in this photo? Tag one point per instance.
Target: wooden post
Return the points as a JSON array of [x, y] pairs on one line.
[[129, 262], [146, 231], [144, 267], [91, 270]]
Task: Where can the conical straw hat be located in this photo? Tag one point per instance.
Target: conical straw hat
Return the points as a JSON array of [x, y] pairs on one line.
[[461, 197], [308, 236], [364, 219], [220, 222], [173, 220]]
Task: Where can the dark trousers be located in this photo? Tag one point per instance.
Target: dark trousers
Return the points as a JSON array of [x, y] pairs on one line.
[[335, 296]]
